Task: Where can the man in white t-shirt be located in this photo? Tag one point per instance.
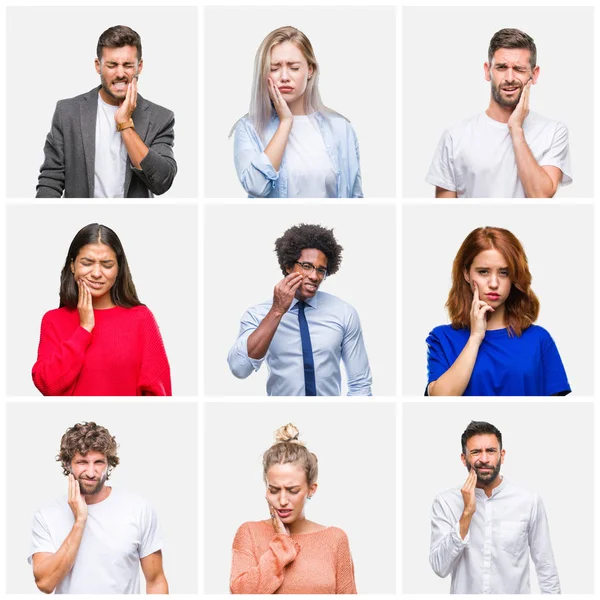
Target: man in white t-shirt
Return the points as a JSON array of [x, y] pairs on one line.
[[110, 142], [94, 540], [506, 151]]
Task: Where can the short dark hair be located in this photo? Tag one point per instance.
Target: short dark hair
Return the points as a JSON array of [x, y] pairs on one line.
[[512, 38], [289, 246], [83, 438], [479, 428], [117, 37], [122, 292]]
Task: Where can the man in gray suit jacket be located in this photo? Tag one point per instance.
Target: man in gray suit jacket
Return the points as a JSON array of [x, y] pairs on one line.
[[110, 142]]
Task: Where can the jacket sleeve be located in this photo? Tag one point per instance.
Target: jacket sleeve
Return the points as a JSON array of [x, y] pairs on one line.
[[254, 169], [155, 374], [354, 355], [240, 364], [59, 362], [344, 568], [252, 574], [446, 544], [541, 550], [51, 180], [158, 166]]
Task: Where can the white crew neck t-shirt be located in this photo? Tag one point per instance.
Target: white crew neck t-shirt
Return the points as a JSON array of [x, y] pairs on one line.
[[476, 159], [311, 172], [119, 531], [111, 155]]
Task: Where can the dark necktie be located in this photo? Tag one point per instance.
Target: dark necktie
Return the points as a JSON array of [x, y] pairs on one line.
[[310, 386]]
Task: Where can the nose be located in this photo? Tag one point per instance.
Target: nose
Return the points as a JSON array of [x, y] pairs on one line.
[[283, 499], [493, 281], [313, 275], [96, 272], [285, 74]]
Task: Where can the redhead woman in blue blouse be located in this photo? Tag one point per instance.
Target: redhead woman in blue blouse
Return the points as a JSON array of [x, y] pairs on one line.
[[492, 347], [290, 145]]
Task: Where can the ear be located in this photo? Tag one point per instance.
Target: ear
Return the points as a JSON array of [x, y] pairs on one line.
[[502, 453], [463, 459], [140, 66], [534, 76], [486, 71], [466, 275], [72, 265], [312, 490], [310, 70], [97, 65]]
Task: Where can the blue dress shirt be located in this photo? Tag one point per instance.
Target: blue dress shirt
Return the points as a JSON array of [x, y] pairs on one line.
[[261, 180], [335, 334], [525, 365]]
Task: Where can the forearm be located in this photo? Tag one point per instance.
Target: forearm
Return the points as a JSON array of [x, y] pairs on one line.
[[442, 193], [158, 585], [276, 147], [464, 523], [456, 379], [260, 339], [136, 148], [536, 182], [54, 568]]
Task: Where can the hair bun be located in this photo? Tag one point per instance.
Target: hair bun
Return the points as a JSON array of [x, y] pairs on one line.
[[288, 433]]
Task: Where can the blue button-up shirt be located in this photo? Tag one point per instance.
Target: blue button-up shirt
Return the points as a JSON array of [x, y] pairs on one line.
[[335, 334], [261, 180]]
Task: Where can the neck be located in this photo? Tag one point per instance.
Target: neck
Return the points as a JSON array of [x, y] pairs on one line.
[[487, 488], [103, 302], [496, 321], [499, 113], [298, 525], [108, 98], [103, 494], [297, 107]]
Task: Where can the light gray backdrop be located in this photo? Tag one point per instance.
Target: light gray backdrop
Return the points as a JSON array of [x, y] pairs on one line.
[[444, 49], [356, 51], [549, 450], [158, 449], [160, 242], [355, 445], [50, 56], [241, 270], [558, 241]]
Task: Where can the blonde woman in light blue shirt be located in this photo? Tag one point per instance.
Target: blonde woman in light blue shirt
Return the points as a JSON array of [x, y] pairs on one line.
[[290, 145]]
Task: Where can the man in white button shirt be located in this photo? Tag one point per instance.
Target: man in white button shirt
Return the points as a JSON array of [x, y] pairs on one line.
[[484, 532], [506, 151]]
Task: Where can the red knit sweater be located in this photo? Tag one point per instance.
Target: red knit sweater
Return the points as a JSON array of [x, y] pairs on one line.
[[123, 356], [303, 563]]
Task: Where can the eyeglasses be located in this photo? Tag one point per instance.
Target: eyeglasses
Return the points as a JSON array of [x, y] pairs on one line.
[[308, 268]]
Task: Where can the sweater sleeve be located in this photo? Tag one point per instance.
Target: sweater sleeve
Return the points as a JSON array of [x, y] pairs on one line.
[[344, 568], [59, 362], [252, 574], [155, 374]]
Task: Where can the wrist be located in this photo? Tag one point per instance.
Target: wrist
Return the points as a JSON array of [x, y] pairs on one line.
[[127, 124], [475, 339], [80, 521], [516, 131], [88, 328], [277, 312]]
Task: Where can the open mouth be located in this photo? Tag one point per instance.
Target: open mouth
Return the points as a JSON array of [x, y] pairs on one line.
[[284, 513], [94, 284]]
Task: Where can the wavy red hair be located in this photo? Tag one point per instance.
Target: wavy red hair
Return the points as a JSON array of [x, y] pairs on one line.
[[522, 306]]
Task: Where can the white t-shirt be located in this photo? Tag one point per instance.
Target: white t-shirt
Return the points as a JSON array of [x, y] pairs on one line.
[[310, 171], [119, 531], [111, 154], [476, 158]]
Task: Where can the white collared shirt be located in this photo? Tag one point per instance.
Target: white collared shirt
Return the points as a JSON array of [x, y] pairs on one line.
[[494, 556]]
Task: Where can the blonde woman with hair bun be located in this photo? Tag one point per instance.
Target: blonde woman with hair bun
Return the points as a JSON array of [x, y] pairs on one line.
[[290, 145], [287, 553]]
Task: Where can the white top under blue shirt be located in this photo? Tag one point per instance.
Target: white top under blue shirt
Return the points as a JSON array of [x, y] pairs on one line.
[[525, 365], [494, 556], [335, 334], [260, 180]]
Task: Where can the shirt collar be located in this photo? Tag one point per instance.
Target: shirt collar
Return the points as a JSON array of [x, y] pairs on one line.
[[495, 491], [312, 302]]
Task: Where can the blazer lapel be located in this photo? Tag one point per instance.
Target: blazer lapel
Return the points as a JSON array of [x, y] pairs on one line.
[[141, 121], [88, 112]]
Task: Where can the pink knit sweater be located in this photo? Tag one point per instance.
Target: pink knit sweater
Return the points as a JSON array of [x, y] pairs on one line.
[[303, 563]]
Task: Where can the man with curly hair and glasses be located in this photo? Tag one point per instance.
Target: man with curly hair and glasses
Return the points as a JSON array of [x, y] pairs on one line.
[[303, 333], [94, 539]]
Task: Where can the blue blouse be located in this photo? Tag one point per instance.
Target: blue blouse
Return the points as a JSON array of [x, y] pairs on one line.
[[528, 365], [261, 180]]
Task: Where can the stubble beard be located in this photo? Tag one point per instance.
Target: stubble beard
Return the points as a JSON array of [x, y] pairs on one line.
[[501, 100], [489, 477], [95, 490]]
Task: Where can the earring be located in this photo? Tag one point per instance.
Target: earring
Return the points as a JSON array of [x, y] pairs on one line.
[[310, 497]]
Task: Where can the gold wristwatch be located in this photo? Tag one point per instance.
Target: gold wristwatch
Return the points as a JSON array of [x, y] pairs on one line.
[[126, 125]]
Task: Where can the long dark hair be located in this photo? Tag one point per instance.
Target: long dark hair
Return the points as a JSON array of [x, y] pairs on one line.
[[122, 292]]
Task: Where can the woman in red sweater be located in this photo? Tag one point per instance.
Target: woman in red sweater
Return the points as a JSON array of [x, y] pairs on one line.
[[101, 341], [288, 554]]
